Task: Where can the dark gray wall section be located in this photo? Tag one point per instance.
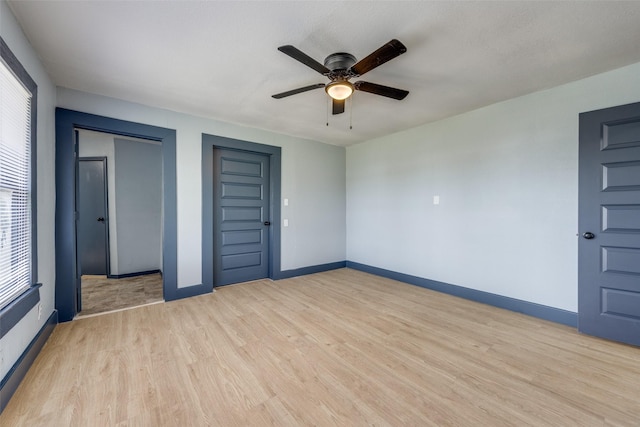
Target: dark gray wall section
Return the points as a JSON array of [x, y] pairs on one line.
[[138, 199]]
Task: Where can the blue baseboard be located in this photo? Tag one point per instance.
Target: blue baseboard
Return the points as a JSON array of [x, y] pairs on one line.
[[309, 270], [136, 274], [189, 291], [552, 314], [14, 377], [195, 290]]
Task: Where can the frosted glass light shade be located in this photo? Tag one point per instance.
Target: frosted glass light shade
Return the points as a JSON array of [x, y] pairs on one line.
[[339, 90]]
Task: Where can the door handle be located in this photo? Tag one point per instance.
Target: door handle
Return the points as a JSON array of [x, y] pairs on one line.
[[588, 235], [100, 219], [267, 223]]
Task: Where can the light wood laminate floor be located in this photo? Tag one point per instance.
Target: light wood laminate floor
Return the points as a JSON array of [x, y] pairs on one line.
[[337, 348], [100, 294]]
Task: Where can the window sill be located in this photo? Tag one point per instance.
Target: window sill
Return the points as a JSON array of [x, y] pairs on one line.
[[14, 312]]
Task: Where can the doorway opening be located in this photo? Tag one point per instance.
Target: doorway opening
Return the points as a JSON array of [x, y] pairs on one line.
[[67, 272], [119, 226]]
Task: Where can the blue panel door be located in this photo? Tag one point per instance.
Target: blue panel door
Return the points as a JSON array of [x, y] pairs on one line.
[[241, 216], [609, 224], [92, 216]]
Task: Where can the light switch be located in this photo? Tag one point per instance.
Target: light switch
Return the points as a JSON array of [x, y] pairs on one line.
[[286, 202], [436, 200], [285, 223]]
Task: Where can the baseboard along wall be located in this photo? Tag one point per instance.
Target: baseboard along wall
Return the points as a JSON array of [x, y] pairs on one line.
[[136, 274], [16, 374], [540, 311]]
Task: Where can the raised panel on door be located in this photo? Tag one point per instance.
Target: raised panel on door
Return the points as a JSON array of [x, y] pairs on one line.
[[241, 216], [609, 224]]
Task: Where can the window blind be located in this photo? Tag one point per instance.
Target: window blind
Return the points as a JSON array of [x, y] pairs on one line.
[[15, 187]]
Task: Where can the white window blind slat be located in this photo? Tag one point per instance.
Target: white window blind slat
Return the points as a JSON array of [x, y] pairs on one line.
[[15, 187]]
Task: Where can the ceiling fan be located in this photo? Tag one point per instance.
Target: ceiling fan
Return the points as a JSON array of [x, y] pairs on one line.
[[340, 67]]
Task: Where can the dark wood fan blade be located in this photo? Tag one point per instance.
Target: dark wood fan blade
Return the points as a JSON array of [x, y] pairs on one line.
[[379, 57], [298, 55], [389, 92], [299, 90], [338, 106]]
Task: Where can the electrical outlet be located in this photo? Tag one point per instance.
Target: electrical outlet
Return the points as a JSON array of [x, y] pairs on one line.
[[39, 310]]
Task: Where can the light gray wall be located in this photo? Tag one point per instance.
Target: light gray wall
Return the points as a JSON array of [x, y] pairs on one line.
[[138, 201], [313, 179], [315, 191], [507, 177], [13, 344]]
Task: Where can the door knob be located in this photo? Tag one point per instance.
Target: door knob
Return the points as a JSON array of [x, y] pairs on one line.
[[588, 235], [100, 219], [267, 223]]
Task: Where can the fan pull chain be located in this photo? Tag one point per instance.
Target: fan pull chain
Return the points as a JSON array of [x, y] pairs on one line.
[[328, 102], [351, 112]]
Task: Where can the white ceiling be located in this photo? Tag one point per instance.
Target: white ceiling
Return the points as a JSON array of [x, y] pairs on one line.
[[218, 59]]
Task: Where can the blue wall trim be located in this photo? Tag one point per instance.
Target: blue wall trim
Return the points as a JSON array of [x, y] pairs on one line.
[[18, 308], [65, 243], [310, 270], [552, 314], [192, 291], [136, 274], [16, 374]]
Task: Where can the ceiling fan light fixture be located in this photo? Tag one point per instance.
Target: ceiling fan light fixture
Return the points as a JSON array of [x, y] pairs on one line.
[[339, 90], [339, 67]]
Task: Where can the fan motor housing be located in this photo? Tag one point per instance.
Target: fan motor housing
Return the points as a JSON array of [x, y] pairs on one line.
[[339, 61]]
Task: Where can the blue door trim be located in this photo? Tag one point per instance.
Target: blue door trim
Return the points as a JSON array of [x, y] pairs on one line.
[[525, 307], [65, 245], [274, 153]]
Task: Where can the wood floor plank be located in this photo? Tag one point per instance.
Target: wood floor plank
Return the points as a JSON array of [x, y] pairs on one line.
[[335, 348]]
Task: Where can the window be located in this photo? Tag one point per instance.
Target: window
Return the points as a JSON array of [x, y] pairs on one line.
[[17, 190]]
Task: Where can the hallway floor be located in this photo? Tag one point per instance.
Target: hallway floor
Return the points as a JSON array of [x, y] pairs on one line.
[[101, 295]]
